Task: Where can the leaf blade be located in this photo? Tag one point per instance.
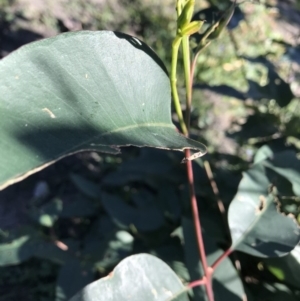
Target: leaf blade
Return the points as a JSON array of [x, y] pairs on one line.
[[82, 91], [155, 281]]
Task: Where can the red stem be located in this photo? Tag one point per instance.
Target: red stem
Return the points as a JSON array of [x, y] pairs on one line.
[[197, 283], [207, 279], [197, 224], [221, 258], [208, 270]]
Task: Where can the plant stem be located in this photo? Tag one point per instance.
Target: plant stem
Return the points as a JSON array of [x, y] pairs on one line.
[[173, 79], [221, 258], [189, 70], [197, 224], [196, 217], [210, 176], [187, 74], [197, 283]]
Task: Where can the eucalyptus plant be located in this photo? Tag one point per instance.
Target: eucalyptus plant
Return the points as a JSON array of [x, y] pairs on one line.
[[106, 90]]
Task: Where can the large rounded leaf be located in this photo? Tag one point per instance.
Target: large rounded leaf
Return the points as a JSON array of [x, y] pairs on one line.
[[287, 268], [257, 226], [82, 91], [138, 277]]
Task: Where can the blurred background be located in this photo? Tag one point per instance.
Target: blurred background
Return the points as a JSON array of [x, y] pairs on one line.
[[74, 221]]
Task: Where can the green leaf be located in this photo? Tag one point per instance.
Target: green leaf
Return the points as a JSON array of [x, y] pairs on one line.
[[146, 218], [263, 153], [214, 30], [85, 186], [19, 246], [9, 253], [72, 277], [108, 252], [144, 169], [172, 253], [287, 165], [51, 251], [271, 291], [78, 206], [257, 227], [138, 277], [26, 242], [82, 91], [286, 269], [46, 215]]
